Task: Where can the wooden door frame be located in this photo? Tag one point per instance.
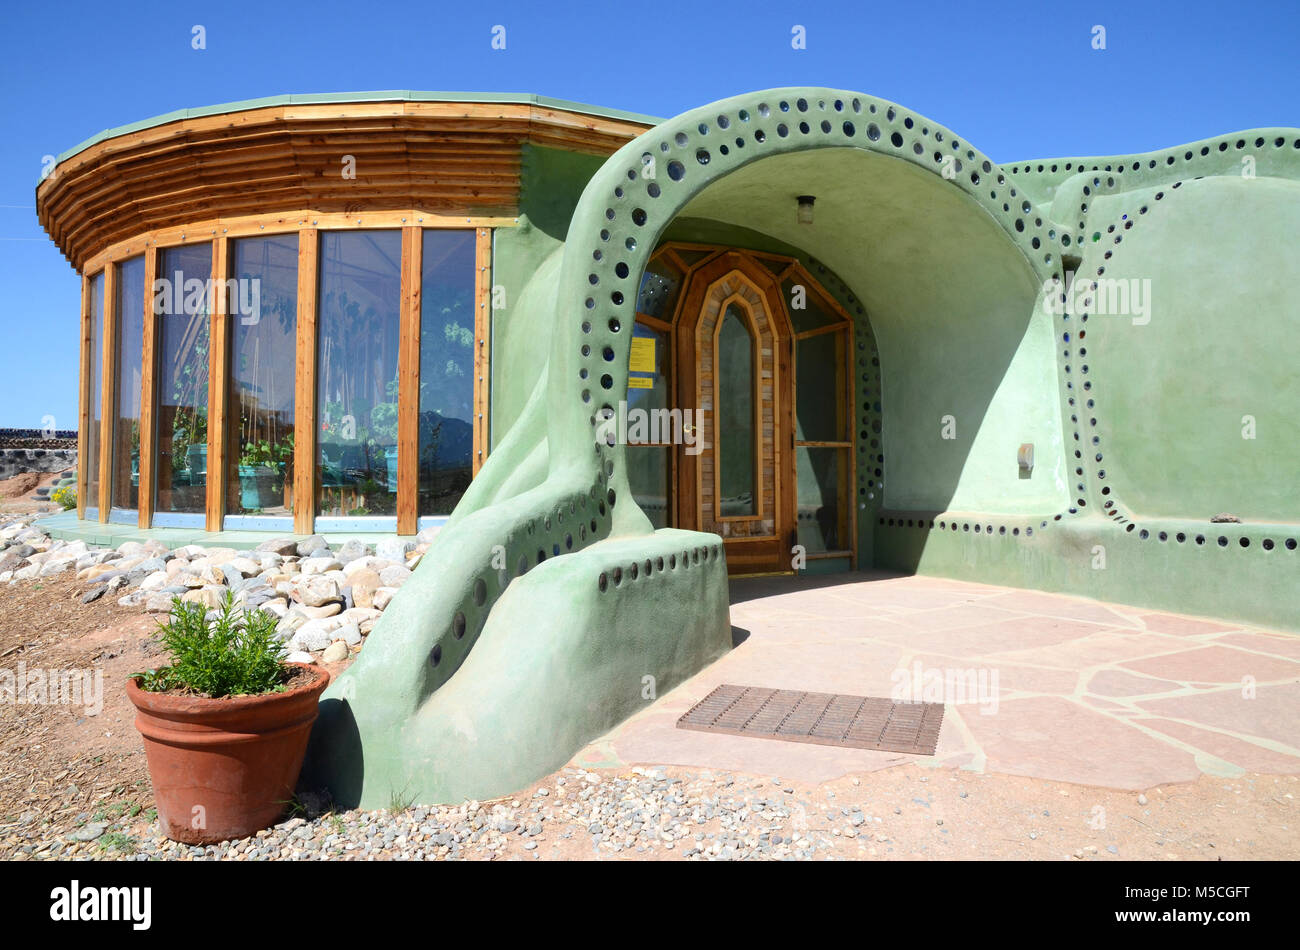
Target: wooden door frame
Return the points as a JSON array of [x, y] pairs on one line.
[[700, 285]]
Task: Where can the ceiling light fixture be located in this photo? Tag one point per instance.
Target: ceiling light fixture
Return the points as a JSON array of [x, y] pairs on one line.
[[806, 209]]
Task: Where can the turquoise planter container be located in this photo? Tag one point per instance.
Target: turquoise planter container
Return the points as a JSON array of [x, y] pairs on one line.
[[390, 455]]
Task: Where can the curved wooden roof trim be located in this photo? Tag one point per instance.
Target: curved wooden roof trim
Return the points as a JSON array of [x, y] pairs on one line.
[[450, 158]]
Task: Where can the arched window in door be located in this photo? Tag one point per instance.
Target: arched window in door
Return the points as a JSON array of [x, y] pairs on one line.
[[735, 401]]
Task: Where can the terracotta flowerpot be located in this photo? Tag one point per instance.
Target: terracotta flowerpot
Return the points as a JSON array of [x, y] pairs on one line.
[[225, 768]]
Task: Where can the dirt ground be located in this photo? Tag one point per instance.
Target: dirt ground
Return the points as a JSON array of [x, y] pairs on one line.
[[16, 493], [60, 767]]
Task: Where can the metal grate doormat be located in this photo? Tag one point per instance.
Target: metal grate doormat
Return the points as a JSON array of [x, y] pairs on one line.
[[856, 722]]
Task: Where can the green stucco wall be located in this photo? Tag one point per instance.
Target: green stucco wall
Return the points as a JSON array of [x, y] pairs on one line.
[[550, 183], [1177, 388], [947, 256]]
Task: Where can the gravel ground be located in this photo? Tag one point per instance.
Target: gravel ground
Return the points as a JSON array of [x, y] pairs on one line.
[[653, 813]]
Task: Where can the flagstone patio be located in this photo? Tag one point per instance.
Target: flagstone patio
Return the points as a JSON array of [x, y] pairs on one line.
[[1073, 690]]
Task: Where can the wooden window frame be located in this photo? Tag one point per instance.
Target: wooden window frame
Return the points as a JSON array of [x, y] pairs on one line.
[[307, 226]]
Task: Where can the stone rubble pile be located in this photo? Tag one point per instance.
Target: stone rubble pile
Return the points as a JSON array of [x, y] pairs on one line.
[[326, 600]]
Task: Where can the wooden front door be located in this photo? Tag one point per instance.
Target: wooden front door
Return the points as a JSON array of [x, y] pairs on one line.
[[735, 359]]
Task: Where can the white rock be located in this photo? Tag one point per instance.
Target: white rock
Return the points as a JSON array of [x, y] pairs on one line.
[[155, 604], [394, 576], [214, 557], [56, 565], [246, 566], [359, 615], [394, 549], [314, 635], [274, 607], [383, 597], [336, 652], [210, 597], [376, 564], [314, 590], [155, 581], [290, 622], [319, 565], [299, 656], [349, 633], [318, 613]]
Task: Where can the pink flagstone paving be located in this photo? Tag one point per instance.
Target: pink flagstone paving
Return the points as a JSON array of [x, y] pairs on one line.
[[1034, 684]]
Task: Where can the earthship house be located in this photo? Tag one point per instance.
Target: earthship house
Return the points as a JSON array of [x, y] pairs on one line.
[[615, 359]]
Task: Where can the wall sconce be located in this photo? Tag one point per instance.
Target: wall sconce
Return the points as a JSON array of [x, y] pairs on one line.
[[806, 209], [1025, 459]]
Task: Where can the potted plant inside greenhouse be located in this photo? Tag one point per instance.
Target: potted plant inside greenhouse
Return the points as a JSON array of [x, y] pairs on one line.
[[383, 434], [262, 472], [190, 446], [225, 724]]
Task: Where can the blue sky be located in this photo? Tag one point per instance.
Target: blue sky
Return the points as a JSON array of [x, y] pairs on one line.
[[1019, 80]]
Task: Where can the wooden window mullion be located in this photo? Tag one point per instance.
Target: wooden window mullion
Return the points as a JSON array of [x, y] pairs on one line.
[[148, 392], [304, 427], [84, 395], [218, 385], [108, 387], [482, 344], [408, 388]]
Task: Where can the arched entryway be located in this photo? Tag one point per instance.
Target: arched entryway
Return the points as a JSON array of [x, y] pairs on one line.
[[739, 406]]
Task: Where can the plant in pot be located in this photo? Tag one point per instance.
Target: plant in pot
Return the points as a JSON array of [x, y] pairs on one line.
[[226, 724], [261, 472]]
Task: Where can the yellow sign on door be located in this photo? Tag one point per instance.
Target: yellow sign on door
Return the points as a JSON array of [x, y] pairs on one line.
[[642, 359]]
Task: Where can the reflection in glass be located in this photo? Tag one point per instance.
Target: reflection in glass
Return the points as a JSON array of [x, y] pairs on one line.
[[446, 369], [821, 473], [359, 318], [263, 346], [650, 427], [130, 343], [659, 285], [736, 437], [91, 461], [819, 408], [182, 304], [647, 474], [806, 310]]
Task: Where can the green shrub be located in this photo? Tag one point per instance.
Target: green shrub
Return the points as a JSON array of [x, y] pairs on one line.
[[238, 654], [65, 496]]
